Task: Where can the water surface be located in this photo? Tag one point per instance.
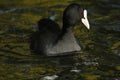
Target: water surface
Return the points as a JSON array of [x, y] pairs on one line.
[[100, 55]]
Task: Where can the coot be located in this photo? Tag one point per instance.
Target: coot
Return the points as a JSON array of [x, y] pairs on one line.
[[53, 41]]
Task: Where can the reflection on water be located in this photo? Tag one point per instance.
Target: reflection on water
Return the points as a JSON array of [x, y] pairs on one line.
[[100, 55]]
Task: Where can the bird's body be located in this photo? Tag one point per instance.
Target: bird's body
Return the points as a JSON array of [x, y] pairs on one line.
[[45, 37], [53, 41]]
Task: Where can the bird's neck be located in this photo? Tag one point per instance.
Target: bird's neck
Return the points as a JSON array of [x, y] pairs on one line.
[[67, 34], [64, 32]]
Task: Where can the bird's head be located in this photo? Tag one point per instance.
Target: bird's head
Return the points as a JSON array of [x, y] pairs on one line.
[[74, 14]]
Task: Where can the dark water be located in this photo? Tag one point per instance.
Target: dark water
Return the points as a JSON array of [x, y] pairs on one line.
[[100, 55]]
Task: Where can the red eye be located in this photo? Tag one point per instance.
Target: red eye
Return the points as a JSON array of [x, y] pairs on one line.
[[81, 12]]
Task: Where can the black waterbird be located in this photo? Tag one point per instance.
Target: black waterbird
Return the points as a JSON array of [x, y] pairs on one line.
[[53, 41]]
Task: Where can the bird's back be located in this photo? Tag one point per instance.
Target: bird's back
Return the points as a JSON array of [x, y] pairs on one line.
[[45, 36], [48, 25]]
